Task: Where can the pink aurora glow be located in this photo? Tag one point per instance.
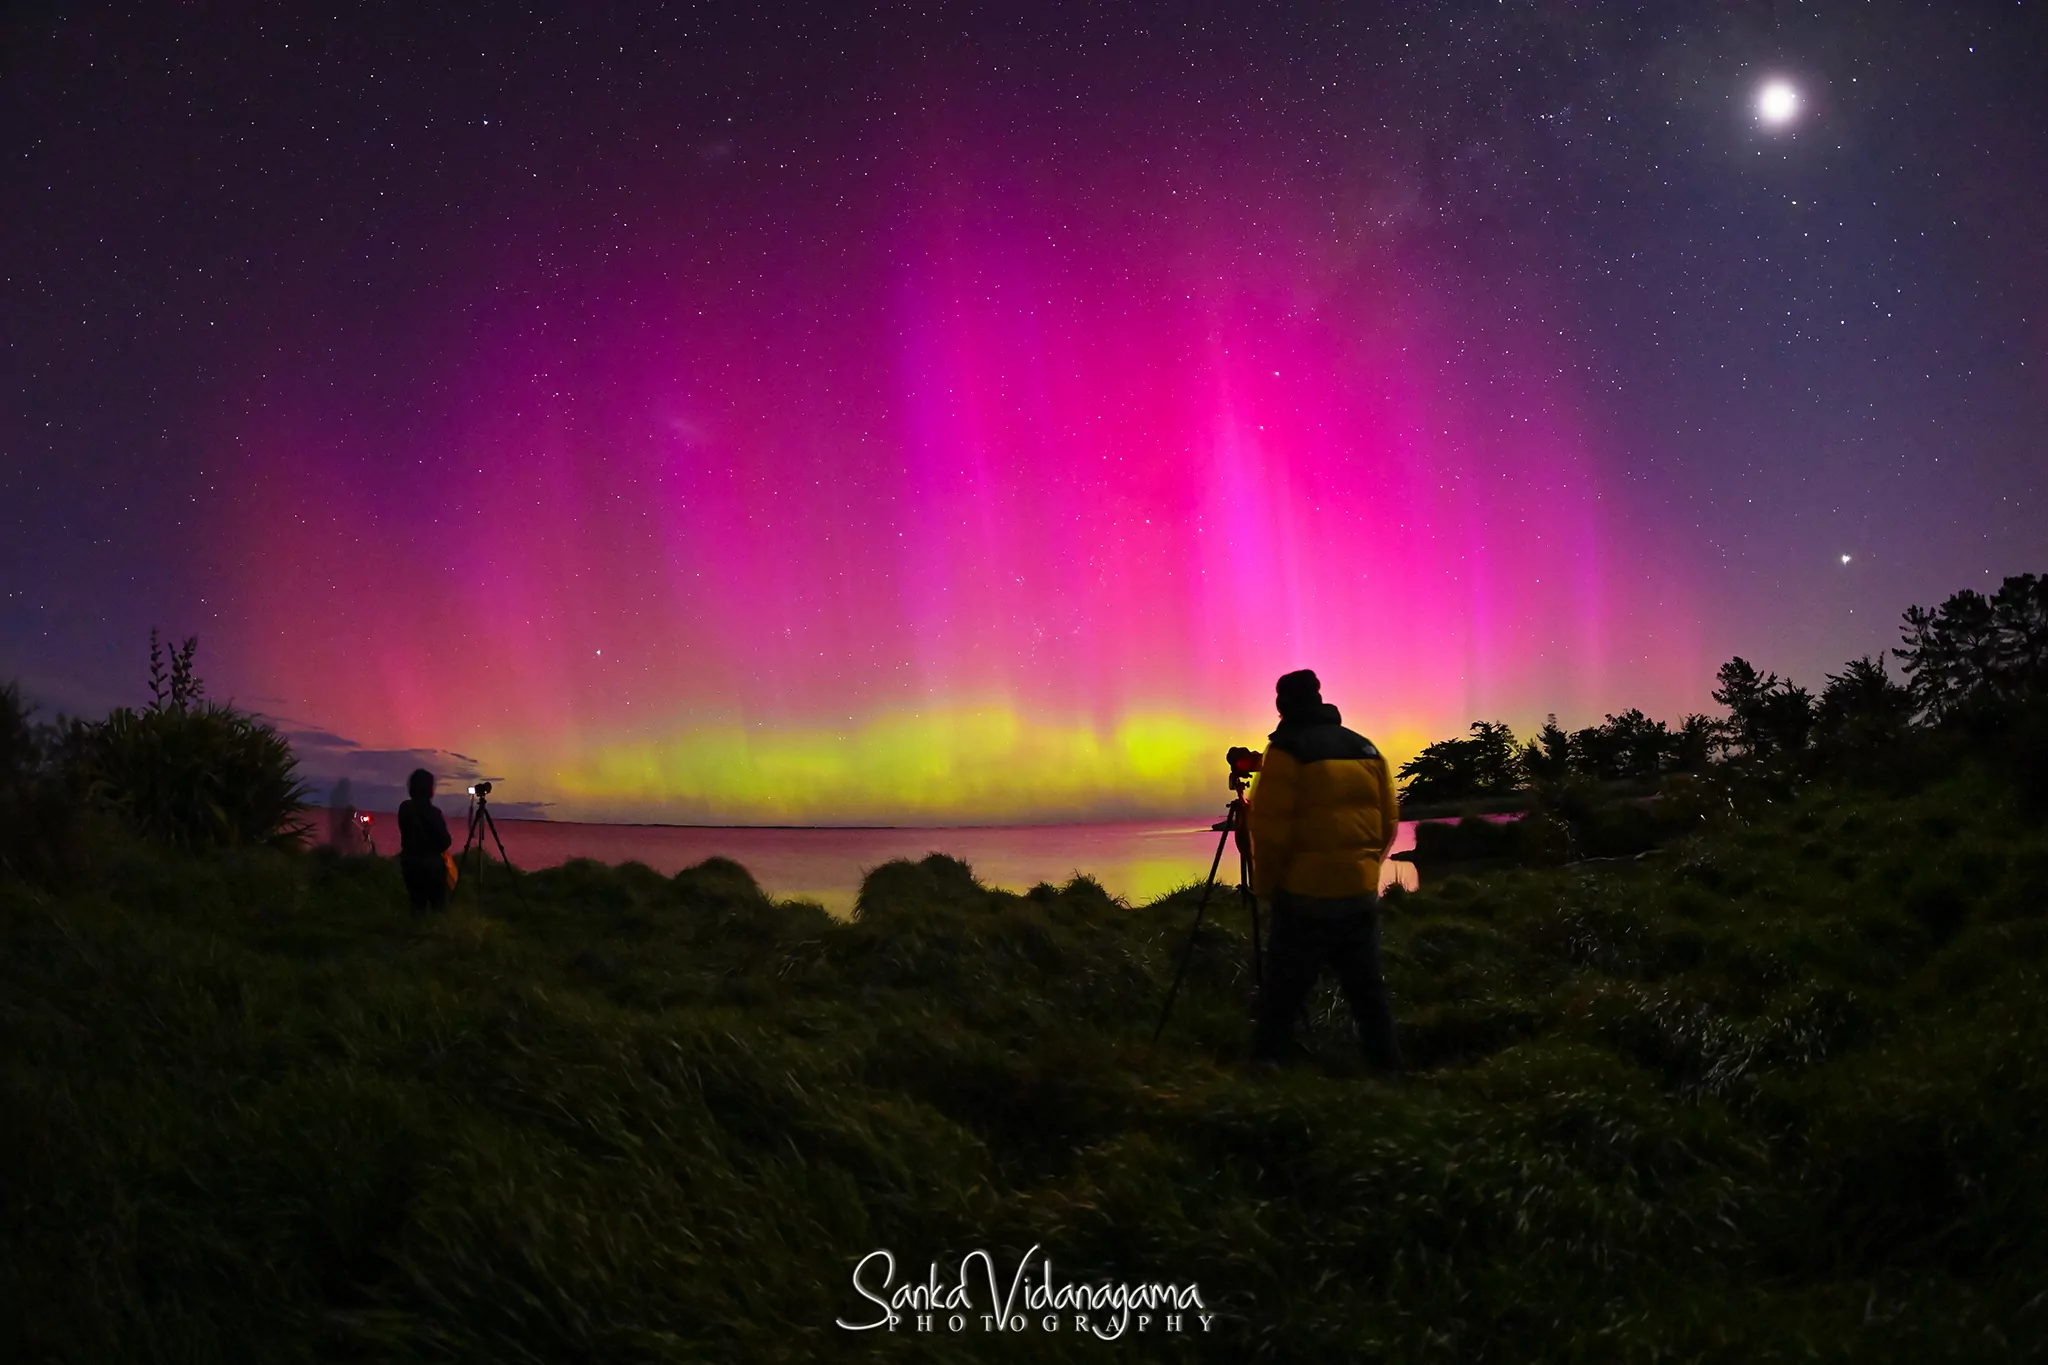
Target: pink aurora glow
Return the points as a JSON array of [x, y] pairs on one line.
[[1010, 504]]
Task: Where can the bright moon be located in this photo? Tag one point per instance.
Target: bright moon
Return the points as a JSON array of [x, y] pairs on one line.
[[1777, 102]]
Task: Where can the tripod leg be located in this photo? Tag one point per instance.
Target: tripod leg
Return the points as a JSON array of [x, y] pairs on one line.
[[1188, 951], [504, 860], [1239, 819], [476, 836]]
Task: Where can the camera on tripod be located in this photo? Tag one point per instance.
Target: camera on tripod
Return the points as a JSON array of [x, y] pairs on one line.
[[481, 823], [1234, 826]]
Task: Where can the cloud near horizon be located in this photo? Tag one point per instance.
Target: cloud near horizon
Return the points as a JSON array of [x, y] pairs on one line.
[[376, 777]]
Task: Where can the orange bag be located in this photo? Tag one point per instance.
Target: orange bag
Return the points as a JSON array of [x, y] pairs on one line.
[[449, 859]]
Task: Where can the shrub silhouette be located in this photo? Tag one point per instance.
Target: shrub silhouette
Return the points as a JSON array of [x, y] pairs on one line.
[[192, 773], [204, 776]]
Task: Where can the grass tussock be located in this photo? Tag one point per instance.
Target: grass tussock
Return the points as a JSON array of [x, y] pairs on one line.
[[1774, 1095]]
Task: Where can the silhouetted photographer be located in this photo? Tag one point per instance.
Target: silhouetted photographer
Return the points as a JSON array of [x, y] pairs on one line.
[[423, 843], [1323, 817]]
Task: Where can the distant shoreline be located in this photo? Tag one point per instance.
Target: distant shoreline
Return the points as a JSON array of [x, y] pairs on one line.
[[1202, 821]]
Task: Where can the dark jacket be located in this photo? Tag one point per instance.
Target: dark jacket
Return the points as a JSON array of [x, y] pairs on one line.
[[422, 832], [1323, 810]]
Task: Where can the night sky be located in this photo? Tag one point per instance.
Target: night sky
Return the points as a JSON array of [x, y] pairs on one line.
[[761, 414]]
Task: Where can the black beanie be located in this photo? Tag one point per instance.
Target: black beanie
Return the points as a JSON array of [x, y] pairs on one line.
[[1297, 693]]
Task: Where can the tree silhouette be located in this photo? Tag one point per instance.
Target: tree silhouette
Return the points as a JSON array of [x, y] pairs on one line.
[[1596, 753], [1548, 757], [1495, 760], [1863, 715], [1982, 661], [1698, 741], [1767, 715], [1638, 743], [1440, 772], [1950, 652], [1487, 763], [2020, 611]]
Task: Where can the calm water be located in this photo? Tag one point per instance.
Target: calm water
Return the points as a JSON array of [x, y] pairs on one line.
[[1138, 862]]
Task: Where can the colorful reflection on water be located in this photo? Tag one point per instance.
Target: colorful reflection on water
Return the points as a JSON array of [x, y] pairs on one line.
[[1137, 862]]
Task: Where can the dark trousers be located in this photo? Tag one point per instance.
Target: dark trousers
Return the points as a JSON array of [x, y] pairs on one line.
[[425, 882], [1344, 936]]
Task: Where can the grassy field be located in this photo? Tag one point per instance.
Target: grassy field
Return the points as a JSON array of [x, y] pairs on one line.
[[1773, 1093]]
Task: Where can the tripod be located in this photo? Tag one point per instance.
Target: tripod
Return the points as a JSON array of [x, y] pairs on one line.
[[479, 821], [1235, 822]]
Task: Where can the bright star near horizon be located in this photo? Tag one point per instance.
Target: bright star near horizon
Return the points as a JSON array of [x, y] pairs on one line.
[[1777, 102], [1845, 559]]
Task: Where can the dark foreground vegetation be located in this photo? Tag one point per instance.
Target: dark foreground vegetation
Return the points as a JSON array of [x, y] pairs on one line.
[[1772, 1093]]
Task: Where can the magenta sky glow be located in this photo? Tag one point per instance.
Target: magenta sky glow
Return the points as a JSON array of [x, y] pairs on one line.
[[1011, 510]]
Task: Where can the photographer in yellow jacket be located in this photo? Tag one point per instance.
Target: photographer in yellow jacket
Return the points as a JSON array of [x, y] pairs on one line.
[[1323, 816]]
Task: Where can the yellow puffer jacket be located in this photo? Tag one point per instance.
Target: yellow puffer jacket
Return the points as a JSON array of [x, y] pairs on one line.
[[1323, 811]]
